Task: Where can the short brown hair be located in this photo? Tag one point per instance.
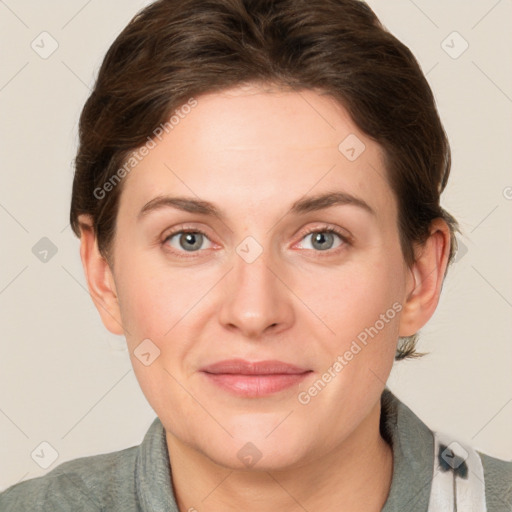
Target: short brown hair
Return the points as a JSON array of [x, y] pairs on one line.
[[175, 49]]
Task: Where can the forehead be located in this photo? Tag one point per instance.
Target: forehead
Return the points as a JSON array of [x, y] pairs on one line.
[[251, 147]]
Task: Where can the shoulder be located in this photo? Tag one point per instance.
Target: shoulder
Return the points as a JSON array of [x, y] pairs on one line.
[[498, 482], [92, 483], [414, 445]]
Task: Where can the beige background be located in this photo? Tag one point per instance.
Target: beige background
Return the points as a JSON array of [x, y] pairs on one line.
[[68, 382]]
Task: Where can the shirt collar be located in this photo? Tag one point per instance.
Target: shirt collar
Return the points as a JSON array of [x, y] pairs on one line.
[[153, 472], [413, 450]]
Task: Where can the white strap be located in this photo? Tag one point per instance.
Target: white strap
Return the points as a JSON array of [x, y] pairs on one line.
[[458, 478]]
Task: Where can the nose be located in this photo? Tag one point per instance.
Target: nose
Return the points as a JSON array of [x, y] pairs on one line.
[[256, 299]]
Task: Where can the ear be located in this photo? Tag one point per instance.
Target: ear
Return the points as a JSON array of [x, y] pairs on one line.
[[100, 279], [427, 274]]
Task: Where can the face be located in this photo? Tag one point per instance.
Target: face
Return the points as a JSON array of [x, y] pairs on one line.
[[249, 235]]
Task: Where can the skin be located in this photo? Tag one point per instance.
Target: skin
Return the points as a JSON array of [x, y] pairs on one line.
[[253, 152]]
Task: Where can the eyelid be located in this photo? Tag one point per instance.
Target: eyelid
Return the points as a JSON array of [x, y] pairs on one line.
[[344, 234], [183, 228]]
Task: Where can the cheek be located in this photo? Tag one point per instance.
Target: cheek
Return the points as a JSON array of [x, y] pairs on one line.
[[158, 302], [146, 307], [352, 297], [360, 303], [149, 297]]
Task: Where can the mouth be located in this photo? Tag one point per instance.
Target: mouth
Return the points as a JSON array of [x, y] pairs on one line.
[[254, 379]]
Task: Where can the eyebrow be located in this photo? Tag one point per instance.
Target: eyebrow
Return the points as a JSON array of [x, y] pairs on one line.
[[301, 206]]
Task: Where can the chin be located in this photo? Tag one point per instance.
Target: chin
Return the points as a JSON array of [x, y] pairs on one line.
[[252, 451]]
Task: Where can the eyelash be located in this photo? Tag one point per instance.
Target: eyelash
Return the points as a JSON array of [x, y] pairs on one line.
[[322, 229]]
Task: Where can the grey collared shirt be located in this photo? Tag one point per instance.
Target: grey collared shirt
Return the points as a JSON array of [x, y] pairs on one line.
[[138, 479]]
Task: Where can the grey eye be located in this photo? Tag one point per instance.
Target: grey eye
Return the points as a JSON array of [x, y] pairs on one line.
[[188, 241], [322, 240]]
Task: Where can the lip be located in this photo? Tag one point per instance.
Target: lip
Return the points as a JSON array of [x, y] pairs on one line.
[[243, 367], [254, 379]]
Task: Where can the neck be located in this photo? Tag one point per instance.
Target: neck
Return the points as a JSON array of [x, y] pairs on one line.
[[354, 477]]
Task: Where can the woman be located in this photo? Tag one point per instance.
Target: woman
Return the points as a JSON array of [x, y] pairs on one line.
[[257, 195]]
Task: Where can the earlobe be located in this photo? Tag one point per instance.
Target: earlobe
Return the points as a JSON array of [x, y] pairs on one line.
[[100, 279], [427, 275]]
